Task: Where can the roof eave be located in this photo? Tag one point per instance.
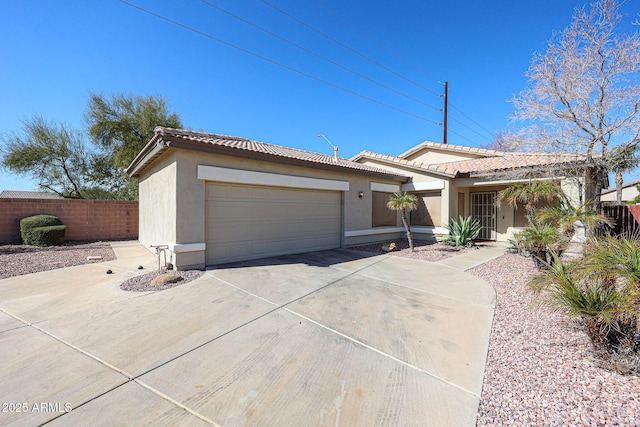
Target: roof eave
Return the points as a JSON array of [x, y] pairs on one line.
[[161, 143], [406, 165]]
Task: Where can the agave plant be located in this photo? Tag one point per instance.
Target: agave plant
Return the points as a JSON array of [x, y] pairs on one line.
[[463, 232]]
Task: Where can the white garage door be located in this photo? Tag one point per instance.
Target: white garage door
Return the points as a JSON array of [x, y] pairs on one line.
[[251, 221]]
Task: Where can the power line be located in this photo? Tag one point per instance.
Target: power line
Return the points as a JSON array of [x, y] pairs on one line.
[[406, 60], [467, 127], [264, 58], [461, 136], [349, 48], [317, 55], [477, 124], [393, 52]]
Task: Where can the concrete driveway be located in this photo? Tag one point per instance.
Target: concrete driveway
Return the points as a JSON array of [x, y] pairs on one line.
[[324, 338]]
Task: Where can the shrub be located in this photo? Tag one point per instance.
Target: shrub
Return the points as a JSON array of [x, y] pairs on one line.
[[42, 230], [542, 241], [602, 290], [462, 233], [48, 236]]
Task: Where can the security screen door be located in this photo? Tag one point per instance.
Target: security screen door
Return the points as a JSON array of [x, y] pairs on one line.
[[483, 208]]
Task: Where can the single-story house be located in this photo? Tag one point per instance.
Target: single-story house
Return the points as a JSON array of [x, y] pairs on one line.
[[629, 193], [214, 199]]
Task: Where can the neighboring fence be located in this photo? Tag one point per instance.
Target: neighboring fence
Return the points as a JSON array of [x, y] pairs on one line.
[[625, 219], [85, 219]]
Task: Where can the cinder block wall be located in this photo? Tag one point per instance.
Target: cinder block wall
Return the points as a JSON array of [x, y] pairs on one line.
[[85, 219]]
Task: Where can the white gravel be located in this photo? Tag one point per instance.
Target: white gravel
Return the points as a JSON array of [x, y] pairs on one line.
[[540, 369]]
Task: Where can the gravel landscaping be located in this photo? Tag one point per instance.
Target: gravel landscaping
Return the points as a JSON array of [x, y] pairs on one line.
[[426, 251], [540, 369], [142, 282], [16, 260]]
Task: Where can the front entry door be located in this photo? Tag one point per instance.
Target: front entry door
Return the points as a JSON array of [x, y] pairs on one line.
[[483, 208]]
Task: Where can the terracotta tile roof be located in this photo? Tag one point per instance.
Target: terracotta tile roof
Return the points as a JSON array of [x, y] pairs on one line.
[[498, 162], [504, 162], [398, 161], [13, 194], [452, 148], [260, 147]]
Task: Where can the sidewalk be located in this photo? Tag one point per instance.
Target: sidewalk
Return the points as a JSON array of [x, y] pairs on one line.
[[484, 252]]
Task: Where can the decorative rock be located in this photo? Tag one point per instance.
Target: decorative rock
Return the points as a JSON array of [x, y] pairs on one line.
[[390, 247], [109, 272], [165, 279], [94, 258], [140, 267]]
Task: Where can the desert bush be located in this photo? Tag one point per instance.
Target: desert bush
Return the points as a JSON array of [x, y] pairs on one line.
[[48, 236], [42, 230]]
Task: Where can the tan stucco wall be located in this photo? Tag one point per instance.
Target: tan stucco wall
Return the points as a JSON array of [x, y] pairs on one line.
[[172, 198], [190, 198], [191, 190], [418, 177], [158, 202]]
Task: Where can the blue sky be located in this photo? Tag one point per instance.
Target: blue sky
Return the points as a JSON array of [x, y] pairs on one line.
[[53, 54]]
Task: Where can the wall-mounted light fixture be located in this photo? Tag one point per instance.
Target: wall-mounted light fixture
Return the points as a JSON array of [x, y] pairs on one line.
[[361, 194]]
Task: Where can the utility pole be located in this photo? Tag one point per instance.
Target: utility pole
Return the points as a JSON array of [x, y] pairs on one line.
[[444, 121]]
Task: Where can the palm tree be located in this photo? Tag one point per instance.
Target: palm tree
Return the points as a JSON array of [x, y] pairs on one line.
[[602, 289], [530, 194], [623, 159], [565, 216], [403, 202]]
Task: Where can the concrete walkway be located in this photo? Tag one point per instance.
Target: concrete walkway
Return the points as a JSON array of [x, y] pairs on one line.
[[324, 338], [480, 254]]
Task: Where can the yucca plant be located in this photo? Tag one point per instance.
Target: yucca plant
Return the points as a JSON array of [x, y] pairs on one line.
[[463, 232]]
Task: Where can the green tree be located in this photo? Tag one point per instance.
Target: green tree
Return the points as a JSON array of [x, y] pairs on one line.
[[124, 124], [54, 155], [404, 202]]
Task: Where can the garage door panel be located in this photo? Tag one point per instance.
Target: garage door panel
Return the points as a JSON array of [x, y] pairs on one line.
[[244, 221]]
